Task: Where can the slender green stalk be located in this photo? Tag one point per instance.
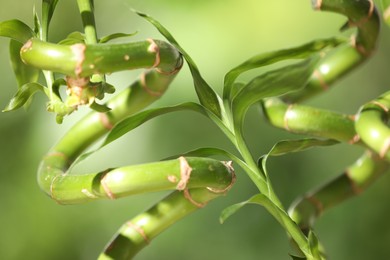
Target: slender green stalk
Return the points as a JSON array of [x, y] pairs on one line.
[[87, 15]]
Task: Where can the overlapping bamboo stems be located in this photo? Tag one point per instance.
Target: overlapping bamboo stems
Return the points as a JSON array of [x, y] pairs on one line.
[[81, 61], [197, 180], [310, 121], [306, 120]]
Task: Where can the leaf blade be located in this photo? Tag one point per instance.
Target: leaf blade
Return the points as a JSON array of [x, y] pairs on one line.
[[115, 36], [293, 146], [134, 121], [268, 58], [48, 7], [138, 119], [73, 38], [207, 97], [23, 73], [16, 30], [274, 83], [23, 95], [280, 215]]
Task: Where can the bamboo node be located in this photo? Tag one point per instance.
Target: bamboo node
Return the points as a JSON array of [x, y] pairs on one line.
[[385, 148], [355, 188], [316, 203], [104, 184], [185, 173], [139, 230], [154, 48], [229, 165], [105, 120], [187, 195], [146, 88], [78, 51]]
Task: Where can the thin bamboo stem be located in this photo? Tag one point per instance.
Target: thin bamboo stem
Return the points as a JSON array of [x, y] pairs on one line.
[[86, 9]]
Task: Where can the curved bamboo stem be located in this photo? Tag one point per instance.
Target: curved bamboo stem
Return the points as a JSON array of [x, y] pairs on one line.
[[371, 125], [81, 60], [197, 180], [325, 124], [354, 180], [343, 59]]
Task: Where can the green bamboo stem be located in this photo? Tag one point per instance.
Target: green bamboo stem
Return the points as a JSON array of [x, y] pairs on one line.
[[338, 62], [325, 124], [354, 180], [140, 94], [80, 60], [197, 180], [86, 9], [386, 11], [300, 119], [180, 174], [138, 232], [371, 125]]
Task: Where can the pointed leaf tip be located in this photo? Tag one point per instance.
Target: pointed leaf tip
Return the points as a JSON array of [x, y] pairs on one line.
[[23, 95], [229, 211]]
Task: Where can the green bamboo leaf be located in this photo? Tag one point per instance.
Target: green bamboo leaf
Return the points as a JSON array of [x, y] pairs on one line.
[[23, 95], [57, 85], [207, 97], [259, 199], [23, 73], [314, 245], [231, 210], [99, 107], [48, 7], [385, 4], [300, 52], [136, 120], [294, 257], [116, 36], [274, 83], [73, 38], [289, 146], [203, 152], [16, 30], [37, 23], [293, 146], [280, 215]]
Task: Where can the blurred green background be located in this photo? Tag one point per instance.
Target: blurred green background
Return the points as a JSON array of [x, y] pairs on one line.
[[218, 34]]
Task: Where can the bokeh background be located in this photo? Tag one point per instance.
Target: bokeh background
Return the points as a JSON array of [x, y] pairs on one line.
[[218, 34]]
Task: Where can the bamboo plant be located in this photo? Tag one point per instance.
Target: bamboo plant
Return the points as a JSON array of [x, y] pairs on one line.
[[81, 60]]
